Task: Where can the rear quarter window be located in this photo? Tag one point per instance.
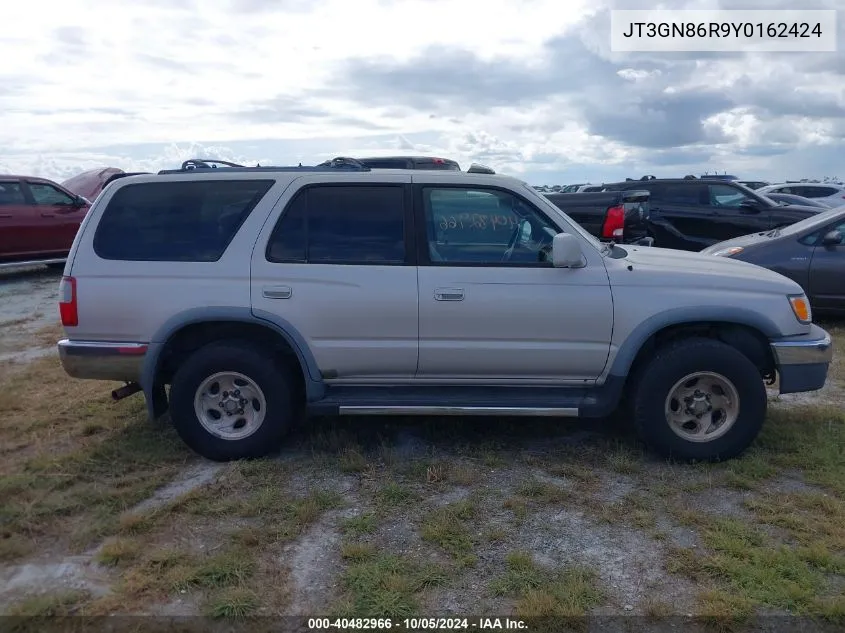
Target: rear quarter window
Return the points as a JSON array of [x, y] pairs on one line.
[[176, 221]]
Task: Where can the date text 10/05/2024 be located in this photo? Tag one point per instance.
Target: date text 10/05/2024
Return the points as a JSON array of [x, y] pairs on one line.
[[416, 624]]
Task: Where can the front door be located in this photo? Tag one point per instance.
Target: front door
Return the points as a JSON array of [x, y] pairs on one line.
[[335, 261], [827, 273], [59, 216], [732, 217], [492, 307]]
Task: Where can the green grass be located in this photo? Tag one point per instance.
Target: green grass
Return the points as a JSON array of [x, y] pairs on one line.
[[235, 602], [385, 585], [538, 591], [753, 568], [361, 524], [451, 527], [393, 494]]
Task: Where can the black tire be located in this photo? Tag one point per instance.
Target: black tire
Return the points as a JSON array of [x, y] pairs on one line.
[[244, 358], [670, 364]]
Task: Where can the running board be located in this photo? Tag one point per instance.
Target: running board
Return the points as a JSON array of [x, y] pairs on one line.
[[451, 401], [567, 412], [34, 262]]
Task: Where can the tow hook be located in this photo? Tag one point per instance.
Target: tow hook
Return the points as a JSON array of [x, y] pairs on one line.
[[125, 391]]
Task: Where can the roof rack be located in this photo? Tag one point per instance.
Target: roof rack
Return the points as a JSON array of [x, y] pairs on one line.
[[208, 163], [343, 161], [203, 163], [477, 168]]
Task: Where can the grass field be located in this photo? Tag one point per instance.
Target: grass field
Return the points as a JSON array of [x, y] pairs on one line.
[[102, 512]]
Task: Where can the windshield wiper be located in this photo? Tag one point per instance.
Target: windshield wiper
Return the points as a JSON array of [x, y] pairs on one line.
[[773, 233]]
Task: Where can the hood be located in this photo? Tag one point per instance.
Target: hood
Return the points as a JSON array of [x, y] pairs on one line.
[[699, 270], [89, 183], [742, 240], [801, 207]]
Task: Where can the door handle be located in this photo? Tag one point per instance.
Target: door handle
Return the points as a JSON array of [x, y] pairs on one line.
[[48, 215], [5, 215], [277, 292], [449, 294]]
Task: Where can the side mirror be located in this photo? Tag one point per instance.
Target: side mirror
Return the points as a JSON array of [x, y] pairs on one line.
[[832, 238], [566, 252]]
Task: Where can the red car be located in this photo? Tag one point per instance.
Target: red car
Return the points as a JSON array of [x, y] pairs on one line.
[[38, 220]]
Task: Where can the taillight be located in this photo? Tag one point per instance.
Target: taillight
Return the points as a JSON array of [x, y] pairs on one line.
[[614, 223], [67, 302]]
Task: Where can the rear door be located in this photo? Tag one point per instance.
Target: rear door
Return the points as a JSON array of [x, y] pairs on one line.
[[335, 260], [18, 221], [58, 214], [679, 214]]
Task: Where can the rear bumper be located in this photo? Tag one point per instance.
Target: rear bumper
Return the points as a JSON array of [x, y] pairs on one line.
[[803, 361], [102, 360]]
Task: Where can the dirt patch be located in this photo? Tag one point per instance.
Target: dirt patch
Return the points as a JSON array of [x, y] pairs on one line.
[[187, 481]]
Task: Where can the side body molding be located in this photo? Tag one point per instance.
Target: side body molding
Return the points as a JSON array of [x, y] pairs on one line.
[[314, 386]]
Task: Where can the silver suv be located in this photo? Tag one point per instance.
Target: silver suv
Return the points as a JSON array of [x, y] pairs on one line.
[[261, 294]]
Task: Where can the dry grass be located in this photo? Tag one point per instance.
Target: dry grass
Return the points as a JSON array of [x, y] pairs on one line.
[[19, 336], [73, 460]]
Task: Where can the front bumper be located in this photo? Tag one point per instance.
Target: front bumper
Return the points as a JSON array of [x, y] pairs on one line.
[[102, 360], [802, 361]]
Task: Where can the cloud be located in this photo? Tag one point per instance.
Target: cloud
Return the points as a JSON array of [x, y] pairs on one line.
[[529, 87]]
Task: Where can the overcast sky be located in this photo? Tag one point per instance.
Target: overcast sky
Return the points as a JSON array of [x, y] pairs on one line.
[[527, 86]]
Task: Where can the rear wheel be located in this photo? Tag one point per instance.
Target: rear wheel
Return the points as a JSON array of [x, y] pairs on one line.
[[699, 399], [230, 400]]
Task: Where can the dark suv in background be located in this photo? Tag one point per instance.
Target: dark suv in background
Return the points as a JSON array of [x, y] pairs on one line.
[[409, 162], [693, 213]]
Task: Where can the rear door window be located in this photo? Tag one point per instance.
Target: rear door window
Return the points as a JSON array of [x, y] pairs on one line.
[[355, 224], [11, 194], [176, 221]]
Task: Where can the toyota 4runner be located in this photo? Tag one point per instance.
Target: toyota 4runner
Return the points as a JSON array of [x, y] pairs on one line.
[[261, 294]]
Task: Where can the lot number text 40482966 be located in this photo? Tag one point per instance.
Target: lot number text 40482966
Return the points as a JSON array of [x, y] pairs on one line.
[[417, 624]]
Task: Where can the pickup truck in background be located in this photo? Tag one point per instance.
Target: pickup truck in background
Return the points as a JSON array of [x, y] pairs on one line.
[[620, 216]]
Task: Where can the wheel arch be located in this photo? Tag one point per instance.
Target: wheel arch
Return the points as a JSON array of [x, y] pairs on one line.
[[744, 329], [189, 330]]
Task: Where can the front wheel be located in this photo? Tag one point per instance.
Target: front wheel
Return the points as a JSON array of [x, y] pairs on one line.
[[699, 399], [230, 400]]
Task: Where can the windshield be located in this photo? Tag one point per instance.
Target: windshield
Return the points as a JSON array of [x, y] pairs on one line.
[[813, 222], [553, 210]]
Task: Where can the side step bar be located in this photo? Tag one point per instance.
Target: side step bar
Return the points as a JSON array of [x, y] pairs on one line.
[[450, 400], [568, 412]]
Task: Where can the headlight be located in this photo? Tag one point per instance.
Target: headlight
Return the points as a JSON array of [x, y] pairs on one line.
[[801, 308], [729, 252]]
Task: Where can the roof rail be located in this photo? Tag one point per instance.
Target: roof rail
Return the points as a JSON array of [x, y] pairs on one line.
[[477, 168], [207, 163], [124, 174], [344, 162], [201, 163]]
